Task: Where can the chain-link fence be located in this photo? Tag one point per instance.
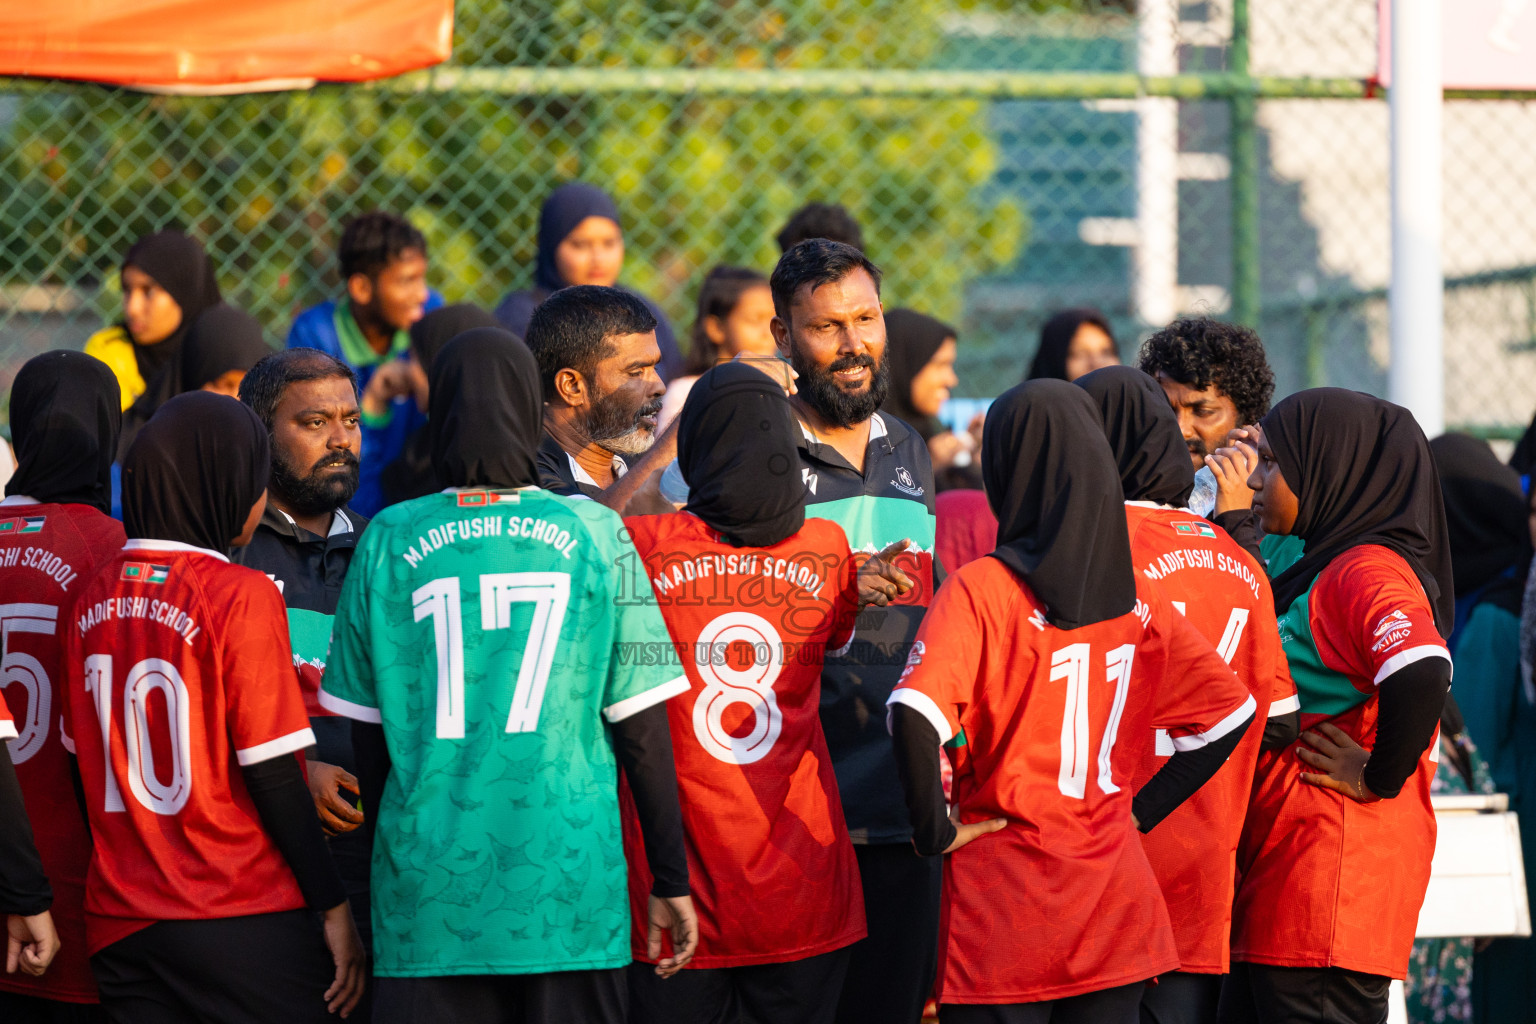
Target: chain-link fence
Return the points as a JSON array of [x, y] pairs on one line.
[[1006, 159]]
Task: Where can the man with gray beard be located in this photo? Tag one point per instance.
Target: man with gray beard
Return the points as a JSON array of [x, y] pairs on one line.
[[597, 354]]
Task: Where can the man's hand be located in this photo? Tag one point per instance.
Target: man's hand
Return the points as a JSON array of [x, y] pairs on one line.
[[975, 830], [1340, 762], [1232, 465], [390, 381], [945, 448], [346, 948], [674, 915], [880, 581], [31, 943], [337, 816], [783, 374]]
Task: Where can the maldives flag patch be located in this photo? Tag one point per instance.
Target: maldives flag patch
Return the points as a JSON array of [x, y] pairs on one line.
[[1195, 529], [480, 499], [29, 524], [144, 572]]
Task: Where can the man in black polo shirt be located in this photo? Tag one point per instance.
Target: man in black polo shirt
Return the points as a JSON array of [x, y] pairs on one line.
[[870, 474], [597, 354], [308, 401]]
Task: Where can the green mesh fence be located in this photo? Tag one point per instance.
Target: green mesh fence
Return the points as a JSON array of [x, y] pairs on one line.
[[1005, 159]]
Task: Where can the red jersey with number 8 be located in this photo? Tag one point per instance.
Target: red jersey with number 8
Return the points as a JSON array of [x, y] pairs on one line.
[[772, 870], [1055, 725], [179, 674], [1193, 851]]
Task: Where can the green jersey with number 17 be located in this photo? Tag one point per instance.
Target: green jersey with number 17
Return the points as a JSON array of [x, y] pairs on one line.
[[493, 634]]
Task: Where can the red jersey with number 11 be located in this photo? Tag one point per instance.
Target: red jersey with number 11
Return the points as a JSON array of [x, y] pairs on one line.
[[1056, 724], [179, 674], [1193, 851], [773, 873]]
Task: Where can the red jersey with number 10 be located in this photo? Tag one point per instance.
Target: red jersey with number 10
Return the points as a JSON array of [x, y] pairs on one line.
[[47, 553], [179, 674], [773, 873], [1226, 597], [1056, 723]]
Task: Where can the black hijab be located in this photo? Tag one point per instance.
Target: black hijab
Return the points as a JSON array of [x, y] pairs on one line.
[[1056, 336], [223, 338], [566, 207], [485, 411], [1523, 459], [1485, 512], [439, 327], [410, 475], [66, 412], [1362, 474], [183, 269], [1143, 434], [1052, 483], [736, 447], [194, 471], [911, 340]]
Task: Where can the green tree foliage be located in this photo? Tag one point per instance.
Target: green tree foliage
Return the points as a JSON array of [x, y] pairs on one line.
[[267, 180]]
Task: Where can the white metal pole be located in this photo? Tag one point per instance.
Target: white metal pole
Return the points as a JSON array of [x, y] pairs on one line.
[[1156, 256], [1416, 378]]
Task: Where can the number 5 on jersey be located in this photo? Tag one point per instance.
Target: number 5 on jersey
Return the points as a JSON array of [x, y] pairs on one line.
[[548, 592]]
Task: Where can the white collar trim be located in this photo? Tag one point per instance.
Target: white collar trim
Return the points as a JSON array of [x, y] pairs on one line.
[[14, 500], [620, 467], [339, 522], [145, 544], [1153, 504], [876, 429]]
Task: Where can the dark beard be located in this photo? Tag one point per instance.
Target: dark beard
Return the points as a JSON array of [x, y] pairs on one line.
[[820, 390], [618, 429], [311, 494]]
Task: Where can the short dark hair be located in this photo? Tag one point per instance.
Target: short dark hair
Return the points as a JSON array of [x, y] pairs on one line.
[[820, 220], [722, 289], [815, 262], [372, 241], [571, 328], [265, 383], [1199, 351]]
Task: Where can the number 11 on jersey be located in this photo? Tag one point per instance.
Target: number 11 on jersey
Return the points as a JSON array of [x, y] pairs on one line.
[[1071, 664]]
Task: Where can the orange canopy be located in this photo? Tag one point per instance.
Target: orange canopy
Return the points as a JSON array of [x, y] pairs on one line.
[[222, 45]]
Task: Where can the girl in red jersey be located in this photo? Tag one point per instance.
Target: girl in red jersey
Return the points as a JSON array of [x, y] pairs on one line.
[[186, 716], [1052, 661], [1335, 853], [54, 532]]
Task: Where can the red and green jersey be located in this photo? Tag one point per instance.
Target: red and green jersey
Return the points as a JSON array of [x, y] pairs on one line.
[[1327, 881], [1223, 594], [773, 873], [1057, 722]]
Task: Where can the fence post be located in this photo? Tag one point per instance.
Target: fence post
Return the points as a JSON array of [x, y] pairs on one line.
[[1244, 178]]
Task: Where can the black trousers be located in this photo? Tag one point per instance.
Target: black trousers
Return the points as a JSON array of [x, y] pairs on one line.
[[890, 972], [19, 1009], [1109, 1006], [1260, 994], [560, 997], [1180, 998], [232, 970], [796, 992]]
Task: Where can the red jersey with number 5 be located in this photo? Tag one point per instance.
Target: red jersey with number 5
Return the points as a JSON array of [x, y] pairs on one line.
[[179, 674], [47, 553], [1055, 725], [1193, 851], [772, 870]]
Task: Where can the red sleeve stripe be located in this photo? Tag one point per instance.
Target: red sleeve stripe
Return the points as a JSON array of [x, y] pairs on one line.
[[1248, 709], [923, 704], [347, 709], [1285, 705], [1402, 659], [304, 737], [640, 701]]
